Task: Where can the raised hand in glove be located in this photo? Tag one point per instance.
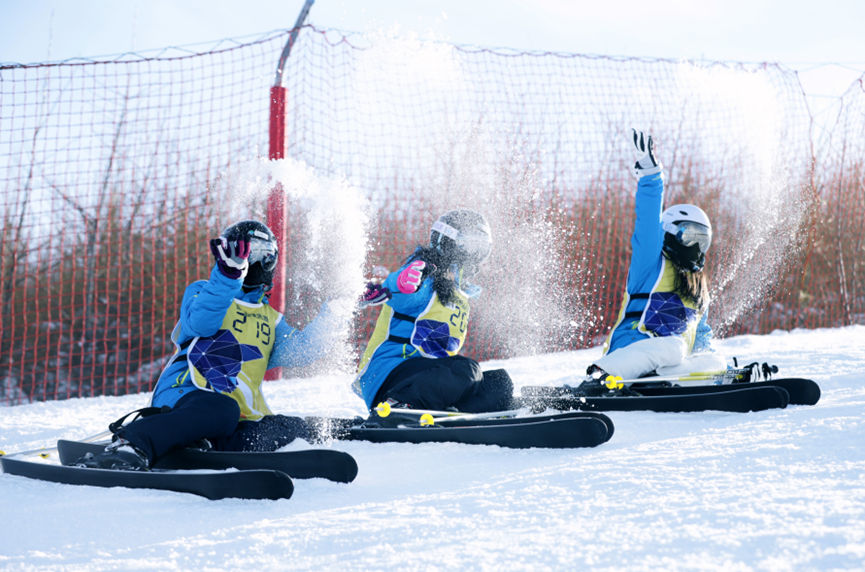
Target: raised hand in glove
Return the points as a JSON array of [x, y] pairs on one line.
[[410, 279], [232, 256], [374, 295], [644, 151]]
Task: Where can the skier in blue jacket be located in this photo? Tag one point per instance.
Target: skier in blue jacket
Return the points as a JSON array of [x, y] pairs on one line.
[[412, 358], [662, 327], [227, 337]]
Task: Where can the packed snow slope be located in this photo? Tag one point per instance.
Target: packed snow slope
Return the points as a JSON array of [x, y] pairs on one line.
[[776, 490]]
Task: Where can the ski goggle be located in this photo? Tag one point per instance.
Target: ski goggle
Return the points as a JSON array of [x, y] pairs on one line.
[[475, 245], [690, 233], [263, 251]]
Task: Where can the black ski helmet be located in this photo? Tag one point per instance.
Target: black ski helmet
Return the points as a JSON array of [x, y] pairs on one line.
[[263, 252], [687, 236], [462, 237]]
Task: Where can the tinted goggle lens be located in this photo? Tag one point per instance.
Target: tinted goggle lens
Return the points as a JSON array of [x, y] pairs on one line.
[[264, 252], [478, 246], [691, 233]]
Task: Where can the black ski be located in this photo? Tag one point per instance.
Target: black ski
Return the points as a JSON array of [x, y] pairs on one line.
[[309, 464], [270, 485], [738, 400], [801, 391], [532, 419], [560, 431]]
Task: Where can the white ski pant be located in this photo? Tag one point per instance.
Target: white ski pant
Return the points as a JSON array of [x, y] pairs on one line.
[[664, 355]]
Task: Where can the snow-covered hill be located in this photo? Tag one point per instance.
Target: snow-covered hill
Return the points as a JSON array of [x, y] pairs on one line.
[[777, 490]]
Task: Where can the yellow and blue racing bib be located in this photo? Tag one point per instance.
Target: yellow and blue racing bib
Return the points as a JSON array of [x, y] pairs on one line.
[[440, 331], [233, 361]]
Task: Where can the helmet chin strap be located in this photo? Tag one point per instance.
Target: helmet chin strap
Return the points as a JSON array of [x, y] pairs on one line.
[[683, 263], [266, 288], [459, 274]]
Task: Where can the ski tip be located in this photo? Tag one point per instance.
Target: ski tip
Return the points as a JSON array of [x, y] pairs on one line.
[[255, 484], [351, 470], [611, 428], [814, 396], [808, 393], [284, 485]]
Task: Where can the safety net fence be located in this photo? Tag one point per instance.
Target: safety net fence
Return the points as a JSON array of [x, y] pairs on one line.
[[115, 174]]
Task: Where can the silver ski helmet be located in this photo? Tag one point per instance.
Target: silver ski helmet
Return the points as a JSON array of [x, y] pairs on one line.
[[263, 251], [462, 237], [687, 236]]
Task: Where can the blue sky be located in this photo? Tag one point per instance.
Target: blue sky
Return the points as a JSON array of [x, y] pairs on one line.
[[804, 35]]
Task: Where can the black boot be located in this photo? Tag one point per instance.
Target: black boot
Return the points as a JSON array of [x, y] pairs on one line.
[[596, 385], [393, 418], [121, 455]]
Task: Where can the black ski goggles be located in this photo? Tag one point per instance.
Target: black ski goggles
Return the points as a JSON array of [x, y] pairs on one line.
[[263, 251]]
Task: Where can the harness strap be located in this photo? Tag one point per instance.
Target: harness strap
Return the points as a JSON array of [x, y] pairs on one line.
[[403, 317], [179, 355], [143, 412], [638, 296], [176, 359]]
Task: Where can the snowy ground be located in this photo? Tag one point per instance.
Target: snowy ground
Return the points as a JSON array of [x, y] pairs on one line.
[[777, 490]]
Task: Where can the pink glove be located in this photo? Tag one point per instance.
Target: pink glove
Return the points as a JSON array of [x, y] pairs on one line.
[[409, 280]]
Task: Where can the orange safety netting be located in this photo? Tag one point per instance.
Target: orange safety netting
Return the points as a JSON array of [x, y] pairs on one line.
[[114, 174]]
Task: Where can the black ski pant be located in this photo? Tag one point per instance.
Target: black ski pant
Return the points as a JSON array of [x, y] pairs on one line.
[[441, 383], [212, 416]]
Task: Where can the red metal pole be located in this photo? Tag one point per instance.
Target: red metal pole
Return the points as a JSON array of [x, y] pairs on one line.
[[276, 218], [276, 215]]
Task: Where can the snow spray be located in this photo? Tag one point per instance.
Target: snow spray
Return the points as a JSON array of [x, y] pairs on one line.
[[451, 150], [754, 176], [328, 230]]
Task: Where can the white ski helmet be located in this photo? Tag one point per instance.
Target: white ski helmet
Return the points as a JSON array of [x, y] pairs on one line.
[[462, 237], [687, 236]]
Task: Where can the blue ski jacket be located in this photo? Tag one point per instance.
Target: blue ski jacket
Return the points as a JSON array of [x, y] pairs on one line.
[[647, 261], [204, 307], [412, 326]]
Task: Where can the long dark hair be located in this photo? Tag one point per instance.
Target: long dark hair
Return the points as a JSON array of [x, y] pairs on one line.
[[692, 287], [443, 286]]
